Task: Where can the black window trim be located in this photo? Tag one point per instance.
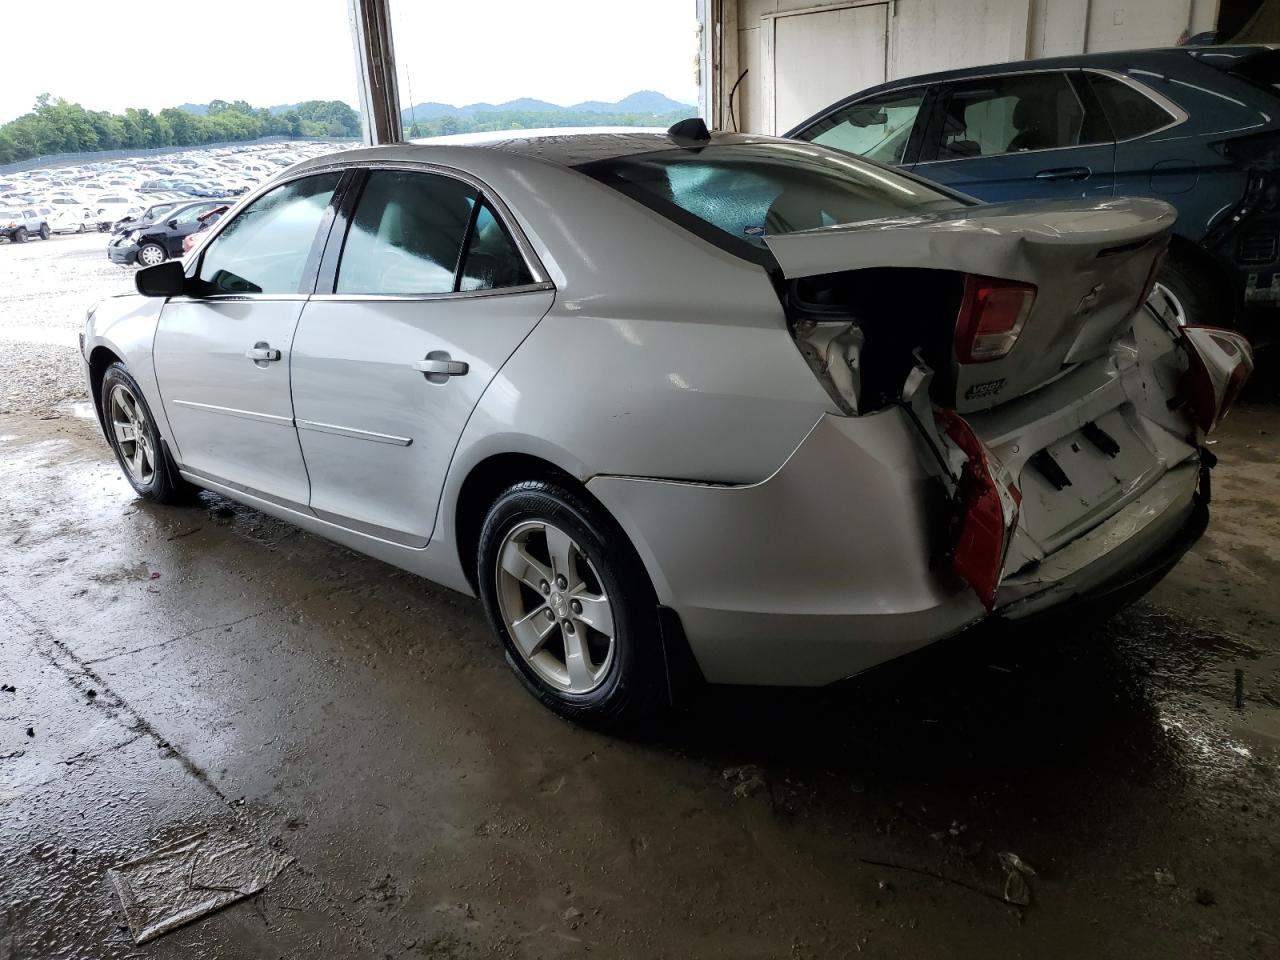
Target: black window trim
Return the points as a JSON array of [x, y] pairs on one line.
[[1177, 115]]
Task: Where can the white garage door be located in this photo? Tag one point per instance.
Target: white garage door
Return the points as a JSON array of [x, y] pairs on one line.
[[820, 57]]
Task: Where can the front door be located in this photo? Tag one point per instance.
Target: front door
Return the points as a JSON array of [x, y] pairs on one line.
[[431, 297], [1018, 137], [222, 355]]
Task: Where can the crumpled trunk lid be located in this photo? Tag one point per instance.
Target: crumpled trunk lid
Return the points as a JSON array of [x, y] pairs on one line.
[[1089, 261]]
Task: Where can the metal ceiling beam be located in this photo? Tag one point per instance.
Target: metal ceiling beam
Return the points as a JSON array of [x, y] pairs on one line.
[[376, 71]]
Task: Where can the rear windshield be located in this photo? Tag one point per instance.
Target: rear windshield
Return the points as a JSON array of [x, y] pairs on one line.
[[746, 192]]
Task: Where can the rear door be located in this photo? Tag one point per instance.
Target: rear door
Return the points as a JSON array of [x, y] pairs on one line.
[[424, 296], [222, 356], [1018, 137]]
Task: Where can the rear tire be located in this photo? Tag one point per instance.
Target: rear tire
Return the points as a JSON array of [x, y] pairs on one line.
[[20, 235], [1185, 295], [556, 571], [45, 233], [131, 431]]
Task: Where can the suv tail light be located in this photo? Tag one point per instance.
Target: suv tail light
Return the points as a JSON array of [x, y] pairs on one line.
[[987, 510], [1219, 363], [992, 313]]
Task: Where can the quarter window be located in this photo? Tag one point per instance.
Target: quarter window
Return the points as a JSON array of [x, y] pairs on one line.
[[407, 235], [1011, 114], [266, 247], [1131, 112], [492, 260], [877, 129]]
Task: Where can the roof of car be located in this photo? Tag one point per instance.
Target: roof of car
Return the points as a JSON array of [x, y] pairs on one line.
[[568, 147]]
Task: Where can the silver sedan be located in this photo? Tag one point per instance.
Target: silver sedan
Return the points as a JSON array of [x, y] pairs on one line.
[[727, 408]]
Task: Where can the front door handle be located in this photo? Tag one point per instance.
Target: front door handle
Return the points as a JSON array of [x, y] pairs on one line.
[[438, 367], [1065, 173], [261, 352]]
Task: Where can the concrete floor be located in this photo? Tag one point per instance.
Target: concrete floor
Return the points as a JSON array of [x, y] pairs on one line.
[[211, 668]]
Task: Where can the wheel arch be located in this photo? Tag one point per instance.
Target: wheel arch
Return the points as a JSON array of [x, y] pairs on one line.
[[100, 358], [1226, 283]]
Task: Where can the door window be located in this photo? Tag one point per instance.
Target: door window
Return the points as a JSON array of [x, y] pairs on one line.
[[192, 214], [877, 129], [407, 235], [266, 247], [1013, 114], [1131, 112], [492, 260]]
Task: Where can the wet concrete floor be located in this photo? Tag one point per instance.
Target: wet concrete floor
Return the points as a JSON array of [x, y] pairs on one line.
[[208, 668]]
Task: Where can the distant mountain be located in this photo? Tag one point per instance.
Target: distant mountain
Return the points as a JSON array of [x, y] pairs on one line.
[[195, 109], [646, 102]]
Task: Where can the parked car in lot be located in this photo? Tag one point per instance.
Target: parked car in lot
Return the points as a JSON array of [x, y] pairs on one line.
[[71, 215], [149, 243], [795, 414], [17, 225], [1196, 127], [111, 208], [149, 215]]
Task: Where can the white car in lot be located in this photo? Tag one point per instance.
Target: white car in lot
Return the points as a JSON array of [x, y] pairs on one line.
[[71, 215], [677, 404], [110, 208]]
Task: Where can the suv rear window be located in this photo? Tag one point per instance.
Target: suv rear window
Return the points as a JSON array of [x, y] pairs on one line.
[[745, 192]]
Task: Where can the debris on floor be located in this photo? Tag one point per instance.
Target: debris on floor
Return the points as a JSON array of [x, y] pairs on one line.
[[1165, 877], [749, 778], [190, 879], [1016, 871]]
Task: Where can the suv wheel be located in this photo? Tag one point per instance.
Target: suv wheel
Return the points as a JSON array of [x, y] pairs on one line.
[[20, 235], [569, 598], [149, 254], [132, 433], [44, 231]]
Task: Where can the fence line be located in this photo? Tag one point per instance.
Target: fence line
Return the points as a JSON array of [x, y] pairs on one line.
[[94, 156]]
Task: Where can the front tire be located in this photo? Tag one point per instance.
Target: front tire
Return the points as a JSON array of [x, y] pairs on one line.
[[150, 254], [132, 433], [567, 595], [20, 235]]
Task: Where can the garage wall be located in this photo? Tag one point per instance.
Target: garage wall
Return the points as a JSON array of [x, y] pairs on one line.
[[928, 35]]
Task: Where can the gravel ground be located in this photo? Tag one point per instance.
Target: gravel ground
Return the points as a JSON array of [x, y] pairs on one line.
[[45, 288]]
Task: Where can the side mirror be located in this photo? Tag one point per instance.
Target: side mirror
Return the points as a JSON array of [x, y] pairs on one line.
[[166, 279], [173, 224]]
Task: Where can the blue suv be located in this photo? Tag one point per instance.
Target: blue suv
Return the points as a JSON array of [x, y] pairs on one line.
[[1198, 127]]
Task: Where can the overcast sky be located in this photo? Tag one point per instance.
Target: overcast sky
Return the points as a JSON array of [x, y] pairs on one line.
[[108, 56]]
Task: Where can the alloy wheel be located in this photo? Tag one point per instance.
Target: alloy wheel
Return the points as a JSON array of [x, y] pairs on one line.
[[132, 433], [554, 607], [150, 255]]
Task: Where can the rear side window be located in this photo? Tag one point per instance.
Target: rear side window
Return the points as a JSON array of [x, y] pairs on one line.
[[1010, 114], [407, 235], [492, 260], [1131, 112], [266, 247], [877, 129], [736, 194]]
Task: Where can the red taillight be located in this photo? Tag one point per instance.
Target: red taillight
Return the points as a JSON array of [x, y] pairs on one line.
[[984, 515], [991, 316], [1219, 363]]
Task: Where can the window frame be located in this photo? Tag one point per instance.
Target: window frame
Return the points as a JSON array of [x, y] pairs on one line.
[[336, 239], [310, 267]]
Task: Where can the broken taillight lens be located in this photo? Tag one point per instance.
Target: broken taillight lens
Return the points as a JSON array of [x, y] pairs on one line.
[[987, 509], [992, 314], [1219, 364]]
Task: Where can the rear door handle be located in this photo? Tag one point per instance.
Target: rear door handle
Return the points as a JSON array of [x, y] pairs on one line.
[[1065, 173], [438, 366], [261, 351]]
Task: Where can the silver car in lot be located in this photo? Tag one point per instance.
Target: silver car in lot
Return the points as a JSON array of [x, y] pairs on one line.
[[722, 407]]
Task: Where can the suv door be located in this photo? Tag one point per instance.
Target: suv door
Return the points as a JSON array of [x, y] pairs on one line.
[[886, 127], [1018, 137], [424, 294], [222, 354]]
